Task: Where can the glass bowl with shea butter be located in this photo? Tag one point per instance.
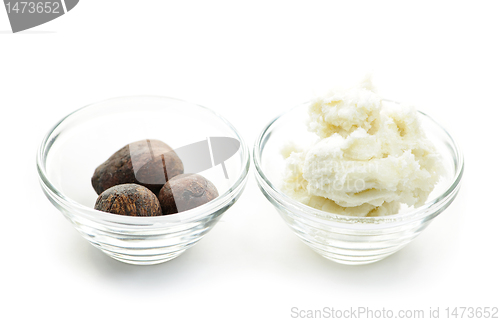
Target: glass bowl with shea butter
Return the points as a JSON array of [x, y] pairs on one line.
[[80, 142], [343, 237]]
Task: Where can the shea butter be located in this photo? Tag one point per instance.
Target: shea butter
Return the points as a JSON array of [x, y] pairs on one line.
[[370, 157]]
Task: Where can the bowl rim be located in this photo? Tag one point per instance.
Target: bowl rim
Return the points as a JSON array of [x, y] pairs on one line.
[[332, 218], [188, 215]]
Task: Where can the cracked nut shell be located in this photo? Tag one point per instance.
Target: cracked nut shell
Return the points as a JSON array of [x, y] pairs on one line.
[[148, 162], [186, 191], [129, 200]]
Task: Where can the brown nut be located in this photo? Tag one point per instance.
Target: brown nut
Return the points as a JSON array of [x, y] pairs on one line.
[[148, 162], [129, 200], [186, 191]]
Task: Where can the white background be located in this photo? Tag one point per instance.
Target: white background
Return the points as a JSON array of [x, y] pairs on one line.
[[249, 61]]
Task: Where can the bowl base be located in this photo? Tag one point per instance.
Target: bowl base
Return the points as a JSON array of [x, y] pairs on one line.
[[144, 260], [346, 260]]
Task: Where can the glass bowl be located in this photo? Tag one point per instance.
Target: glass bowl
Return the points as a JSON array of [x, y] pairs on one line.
[[347, 239], [81, 141]]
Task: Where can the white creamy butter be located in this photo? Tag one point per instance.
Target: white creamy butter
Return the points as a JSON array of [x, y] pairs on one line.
[[371, 156]]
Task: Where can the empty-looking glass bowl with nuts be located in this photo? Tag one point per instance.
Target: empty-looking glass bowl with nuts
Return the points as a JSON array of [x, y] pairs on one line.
[[70, 154]]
